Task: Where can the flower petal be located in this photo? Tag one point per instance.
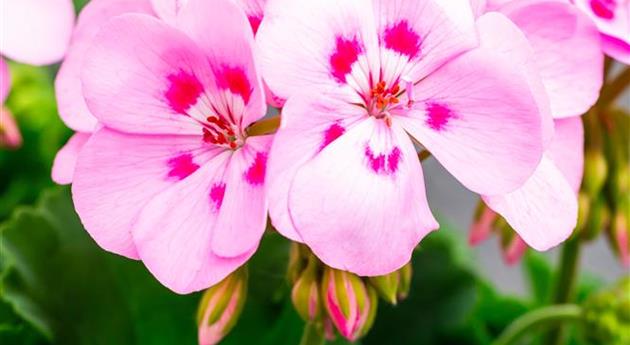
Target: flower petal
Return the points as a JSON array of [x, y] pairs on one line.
[[566, 150], [309, 124], [417, 37], [225, 36], [174, 231], [479, 118], [117, 175], [144, 76], [5, 80], [567, 53], [612, 17], [543, 211], [616, 48], [360, 204], [306, 44], [243, 217], [168, 10], [66, 159], [36, 32], [68, 89]]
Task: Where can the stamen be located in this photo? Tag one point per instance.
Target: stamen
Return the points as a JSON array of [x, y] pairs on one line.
[[219, 131], [409, 90]]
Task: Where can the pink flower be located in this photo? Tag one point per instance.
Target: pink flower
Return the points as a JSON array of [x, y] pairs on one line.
[[613, 20], [568, 58], [72, 107], [344, 174], [172, 178]]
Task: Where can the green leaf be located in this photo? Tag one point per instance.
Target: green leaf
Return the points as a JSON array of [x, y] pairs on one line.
[[539, 274]]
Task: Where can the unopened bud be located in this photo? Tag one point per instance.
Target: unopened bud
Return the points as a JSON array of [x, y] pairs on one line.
[[220, 307], [620, 236], [607, 315], [595, 171], [387, 286], [598, 219], [298, 259], [305, 293], [482, 227], [10, 137], [514, 249], [350, 303], [406, 274], [584, 206]]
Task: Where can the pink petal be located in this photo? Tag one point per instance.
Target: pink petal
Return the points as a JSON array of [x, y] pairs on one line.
[[478, 117], [478, 7], [117, 175], [174, 231], [566, 150], [66, 158], [5, 80], [543, 211], [224, 34], [72, 108], [416, 37], [567, 53], [616, 48], [243, 217], [304, 44], [144, 76], [360, 204], [168, 10], [36, 32], [255, 11], [612, 17], [308, 125]]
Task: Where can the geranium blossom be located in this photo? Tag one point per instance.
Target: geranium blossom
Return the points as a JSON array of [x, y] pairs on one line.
[[613, 20], [172, 178], [72, 108], [360, 80]]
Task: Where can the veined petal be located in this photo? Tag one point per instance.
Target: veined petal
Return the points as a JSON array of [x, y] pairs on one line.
[[566, 150], [243, 217], [417, 37], [543, 211], [66, 158], [117, 175], [612, 17], [309, 124], [68, 89], [616, 48], [360, 204], [168, 10], [307, 44], [36, 32], [567, 53], [478, 117], [174, 231]]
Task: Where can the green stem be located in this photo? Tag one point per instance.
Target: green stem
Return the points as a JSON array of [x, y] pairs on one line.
[[312, 335], [263, 127], [536, 318], [566, 281], [614, 89]]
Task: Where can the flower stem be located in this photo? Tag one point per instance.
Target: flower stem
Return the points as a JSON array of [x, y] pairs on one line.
[[312, 335], [566, 281], [614, 88], [263, 127], [539, 317]]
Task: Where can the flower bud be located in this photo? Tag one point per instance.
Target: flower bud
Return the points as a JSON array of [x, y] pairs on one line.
[[387, 286], [514, 249], [607, 315], [584, 205], [221, 306], [350, 303], [305, 293], [620, 236], [595, 171], [10, 137], [483, 225]]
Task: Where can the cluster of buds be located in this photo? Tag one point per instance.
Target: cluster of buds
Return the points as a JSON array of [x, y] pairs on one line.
[[221, 306], [605, 193], [607, 315], [339, 301], [487, 223]]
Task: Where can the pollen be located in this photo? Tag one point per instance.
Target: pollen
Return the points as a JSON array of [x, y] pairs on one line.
[[383, 97], [218, 131]]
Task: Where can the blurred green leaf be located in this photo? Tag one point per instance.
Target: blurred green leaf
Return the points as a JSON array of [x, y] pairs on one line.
[[539, 274]]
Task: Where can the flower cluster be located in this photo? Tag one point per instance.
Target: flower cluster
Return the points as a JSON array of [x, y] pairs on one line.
[[177, 162]]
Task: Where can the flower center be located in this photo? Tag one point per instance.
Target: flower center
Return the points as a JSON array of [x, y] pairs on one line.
[[383, 99], [217, 130]]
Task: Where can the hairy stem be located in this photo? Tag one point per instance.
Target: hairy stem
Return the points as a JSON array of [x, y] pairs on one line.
[[536, 318]]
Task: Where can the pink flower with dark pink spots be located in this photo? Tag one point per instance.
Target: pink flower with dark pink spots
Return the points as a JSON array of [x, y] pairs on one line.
[[367, 83], [171, 177], [613, 21]]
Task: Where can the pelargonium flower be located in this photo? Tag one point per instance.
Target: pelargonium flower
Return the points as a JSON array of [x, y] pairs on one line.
[[361, 82], [172, 178], [613, 20], [72, 108]]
